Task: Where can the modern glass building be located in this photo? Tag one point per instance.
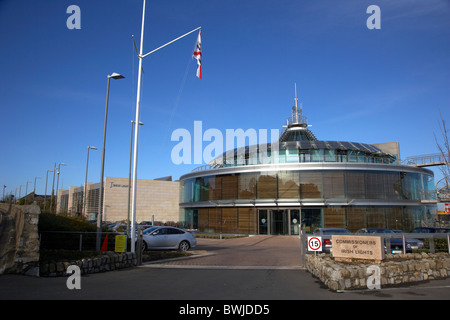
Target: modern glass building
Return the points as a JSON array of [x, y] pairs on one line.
[[300, 181]]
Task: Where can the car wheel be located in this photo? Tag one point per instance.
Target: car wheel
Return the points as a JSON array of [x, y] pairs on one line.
[[184, 246], [143, 247]]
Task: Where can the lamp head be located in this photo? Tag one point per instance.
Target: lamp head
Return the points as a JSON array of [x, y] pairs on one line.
[[116, 76]]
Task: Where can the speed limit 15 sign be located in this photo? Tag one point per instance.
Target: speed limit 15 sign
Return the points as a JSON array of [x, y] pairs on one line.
[[315, 243]]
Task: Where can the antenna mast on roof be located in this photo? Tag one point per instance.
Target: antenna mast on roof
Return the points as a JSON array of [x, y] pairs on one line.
[[295, 117], [296, 99]]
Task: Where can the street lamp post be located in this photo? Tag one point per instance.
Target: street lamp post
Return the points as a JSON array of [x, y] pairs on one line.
[[85, 180], [20, 191], [100, 202], [26, 192], [129, 176], [53, 188], [34, 190], [45, 194], [57, 184]]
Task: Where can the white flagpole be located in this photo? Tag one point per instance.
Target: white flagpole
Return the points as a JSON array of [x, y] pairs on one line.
[[136, 135], [136, 131], [184, 35]]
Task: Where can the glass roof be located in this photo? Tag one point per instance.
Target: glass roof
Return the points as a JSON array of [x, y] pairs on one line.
[[296, 135]]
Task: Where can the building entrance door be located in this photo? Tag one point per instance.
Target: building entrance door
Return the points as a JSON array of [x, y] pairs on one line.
[[294, 217], [279, 221], [263, 222]]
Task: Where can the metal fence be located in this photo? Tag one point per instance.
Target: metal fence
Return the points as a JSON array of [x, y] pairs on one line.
[[433, 242], [87, 241]]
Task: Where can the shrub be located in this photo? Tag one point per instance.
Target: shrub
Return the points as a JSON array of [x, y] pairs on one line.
[[52, 222]]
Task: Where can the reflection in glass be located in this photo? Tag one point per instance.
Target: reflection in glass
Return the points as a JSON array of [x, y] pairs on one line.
[[247, 186], [355, 184], [333, 185], [288, 185], [312, 219], [311, 185], [267, 185]]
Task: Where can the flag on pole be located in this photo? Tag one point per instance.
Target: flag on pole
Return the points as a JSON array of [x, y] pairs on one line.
[[198, 55]]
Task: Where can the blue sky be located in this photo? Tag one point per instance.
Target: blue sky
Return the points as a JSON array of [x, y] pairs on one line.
[[355, 84]]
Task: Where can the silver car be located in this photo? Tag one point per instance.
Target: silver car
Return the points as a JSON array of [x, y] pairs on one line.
[[396, 243], [158, 238]]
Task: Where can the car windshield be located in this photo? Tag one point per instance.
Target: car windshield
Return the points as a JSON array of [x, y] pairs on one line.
[[380, 230], [335, 231], [149, 230]]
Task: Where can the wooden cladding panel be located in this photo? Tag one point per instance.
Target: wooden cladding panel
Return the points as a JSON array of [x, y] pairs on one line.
[[230, 220], [247, 221], [229, 187]]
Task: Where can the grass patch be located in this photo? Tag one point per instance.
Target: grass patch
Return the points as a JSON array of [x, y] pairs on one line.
[[53, 222]]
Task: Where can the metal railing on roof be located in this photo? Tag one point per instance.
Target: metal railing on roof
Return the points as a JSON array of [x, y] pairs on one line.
[[298, 158], [427, 160]]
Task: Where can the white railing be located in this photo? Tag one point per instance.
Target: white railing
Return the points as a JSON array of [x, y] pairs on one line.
[[427, 159]]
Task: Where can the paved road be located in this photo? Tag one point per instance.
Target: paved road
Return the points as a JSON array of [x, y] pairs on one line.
[[255, 251], [259, 269]]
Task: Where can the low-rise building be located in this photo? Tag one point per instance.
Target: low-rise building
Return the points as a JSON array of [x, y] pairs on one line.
[[156, 200]]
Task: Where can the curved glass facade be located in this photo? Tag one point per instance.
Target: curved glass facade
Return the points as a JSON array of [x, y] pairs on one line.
[[312, 184], [287, 221], [303, 182], [279, 201]]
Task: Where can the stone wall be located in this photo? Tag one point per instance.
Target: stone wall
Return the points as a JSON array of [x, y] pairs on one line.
[[19, 239], [107, 261], [396, 269]]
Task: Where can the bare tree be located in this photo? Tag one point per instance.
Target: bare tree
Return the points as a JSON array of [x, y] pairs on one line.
[[444, 149]]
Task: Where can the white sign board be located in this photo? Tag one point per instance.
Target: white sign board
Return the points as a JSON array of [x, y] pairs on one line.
[[315, 243]]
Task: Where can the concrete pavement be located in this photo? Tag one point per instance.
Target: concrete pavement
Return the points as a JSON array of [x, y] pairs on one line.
[[259, 268], [255, 252]]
